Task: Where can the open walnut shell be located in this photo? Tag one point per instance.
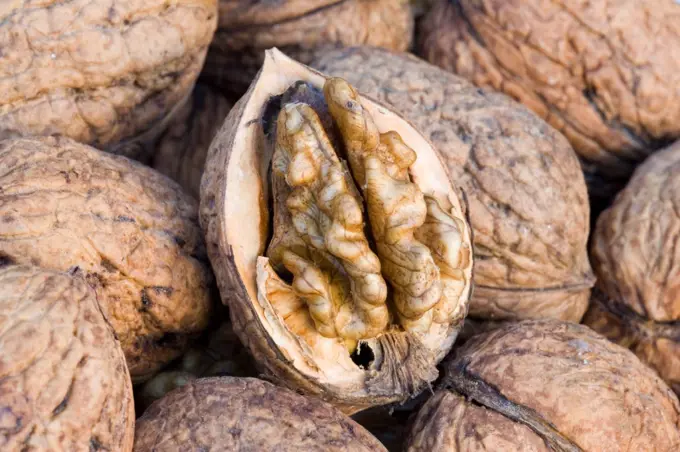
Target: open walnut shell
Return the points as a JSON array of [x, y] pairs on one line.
[[604, 73], [636, 259], [109, 73], [246, 414], [307, 282], [298, 27], [528, 203], [64, 385], [545, 385]]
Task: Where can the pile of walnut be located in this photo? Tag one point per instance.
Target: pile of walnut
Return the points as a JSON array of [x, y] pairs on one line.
[[270, 225]]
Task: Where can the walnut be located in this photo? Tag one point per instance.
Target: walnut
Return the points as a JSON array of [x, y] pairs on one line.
[[63, 380], [528, 203], [298, 27], [546, 385], [604, 73], [183, 146], [246, 414], [634, 256], [105, 73], [130, 231], [358, 286]]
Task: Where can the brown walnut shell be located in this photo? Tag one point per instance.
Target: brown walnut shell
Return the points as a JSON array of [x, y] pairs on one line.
[[527, 197], [635, 257], [105, 73], [182, 148], [64, 385], [129, 230], [298, 27], [604, 73], [235, 214], [226, 414], [542, 385]]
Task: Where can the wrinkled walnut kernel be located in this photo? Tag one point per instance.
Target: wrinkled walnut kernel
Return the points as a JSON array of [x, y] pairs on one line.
[[319, 226]]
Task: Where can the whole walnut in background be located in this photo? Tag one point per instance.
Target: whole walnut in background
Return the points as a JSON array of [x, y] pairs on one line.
[[130, 231], [104, 72], [527, 198], [182, 148], [636, 258], [298, 27], [605, 73], [246, 414], [545, 385], [64, 385]]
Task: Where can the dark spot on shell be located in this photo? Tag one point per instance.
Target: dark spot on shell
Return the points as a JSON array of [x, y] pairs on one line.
[[8, 218], [6, 260], [108, 265], [179, 241], [146, 301], [124, 219], [167, 291], [95, 445]]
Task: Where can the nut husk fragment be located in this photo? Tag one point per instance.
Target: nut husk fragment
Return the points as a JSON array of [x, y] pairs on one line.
[[298, 27], [298, 334], [246, 414], [544, 385], [64, 384], [634, 254], [527, 198], [130, 231], [105, 73], [182, 148], [604, 73]]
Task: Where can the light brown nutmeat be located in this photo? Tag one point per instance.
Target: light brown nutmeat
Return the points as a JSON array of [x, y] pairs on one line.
[[227, 414], [104, 72], [542, 385], [182, 148], [298, 27], [635, 258], [605, 73], [312, 245], [64, 385], [527, 198], [129, 230]]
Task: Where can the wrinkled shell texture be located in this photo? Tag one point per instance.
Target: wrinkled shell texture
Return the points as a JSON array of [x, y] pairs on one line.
[[130, 231], [183, 146], [64, 385], [570, 382], [99, 71], [636, 259], [297, 27], [527, 197], [225, 414], [606, 73]]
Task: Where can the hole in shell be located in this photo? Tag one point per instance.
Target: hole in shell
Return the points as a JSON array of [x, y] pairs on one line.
[[363, 356]]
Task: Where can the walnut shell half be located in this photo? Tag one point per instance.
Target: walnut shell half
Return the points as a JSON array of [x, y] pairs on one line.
[[605, 73], [282, 187], [64, 385], [104, 72], [636, 259], [129, 230], [542, 385], [246, 29], [227, 414], [528, 203]]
